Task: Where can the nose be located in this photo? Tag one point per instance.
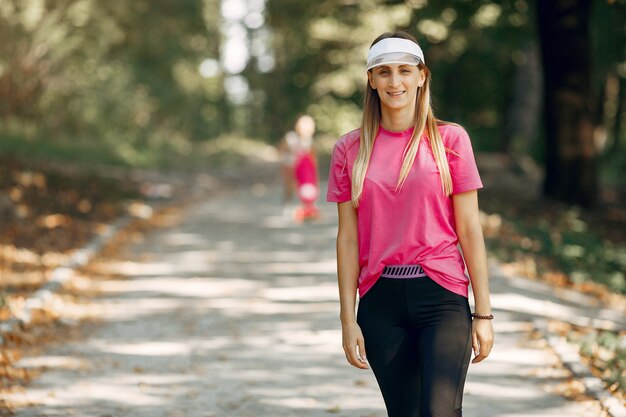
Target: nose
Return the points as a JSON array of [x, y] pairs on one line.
[[394, 79]]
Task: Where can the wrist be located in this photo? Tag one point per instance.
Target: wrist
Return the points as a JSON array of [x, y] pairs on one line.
[[482, 308], [482, 312], [347, 319]]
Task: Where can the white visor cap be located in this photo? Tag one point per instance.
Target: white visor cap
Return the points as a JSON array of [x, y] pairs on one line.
[[394, 51]]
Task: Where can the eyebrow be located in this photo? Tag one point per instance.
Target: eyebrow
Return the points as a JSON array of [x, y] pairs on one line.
[[401, 66]]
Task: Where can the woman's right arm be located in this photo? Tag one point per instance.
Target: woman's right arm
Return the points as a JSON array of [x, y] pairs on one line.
[[348, 274]]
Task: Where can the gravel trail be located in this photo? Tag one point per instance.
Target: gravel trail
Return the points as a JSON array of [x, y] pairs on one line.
[[234, 313]]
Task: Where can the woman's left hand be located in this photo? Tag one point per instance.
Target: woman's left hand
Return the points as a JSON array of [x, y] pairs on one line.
[[482, 339]]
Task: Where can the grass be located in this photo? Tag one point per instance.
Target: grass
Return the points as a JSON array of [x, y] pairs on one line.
[[181, 155], [40, 150]]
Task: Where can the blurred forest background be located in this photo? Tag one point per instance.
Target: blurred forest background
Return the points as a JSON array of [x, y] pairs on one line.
[[137, 82], [195, 84], [202, 85], [187, 84]]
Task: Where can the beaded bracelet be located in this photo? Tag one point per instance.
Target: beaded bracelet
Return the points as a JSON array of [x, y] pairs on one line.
[[482, 317]]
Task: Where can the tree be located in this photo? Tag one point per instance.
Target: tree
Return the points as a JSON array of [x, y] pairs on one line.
[[571, 173]]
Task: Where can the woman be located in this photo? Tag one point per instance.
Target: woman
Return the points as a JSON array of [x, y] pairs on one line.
[[405, 184]]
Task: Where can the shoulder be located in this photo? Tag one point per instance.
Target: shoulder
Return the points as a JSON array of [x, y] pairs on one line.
[[451, 131], [453, 135], [349, 141]]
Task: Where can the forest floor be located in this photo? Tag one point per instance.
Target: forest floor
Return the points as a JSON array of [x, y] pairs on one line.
[[567, 247], [211, 308]]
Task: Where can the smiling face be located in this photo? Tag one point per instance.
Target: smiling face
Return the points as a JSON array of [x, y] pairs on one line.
[[397, 85]]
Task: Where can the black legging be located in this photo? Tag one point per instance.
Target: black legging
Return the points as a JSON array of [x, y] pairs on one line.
[[418, 343]]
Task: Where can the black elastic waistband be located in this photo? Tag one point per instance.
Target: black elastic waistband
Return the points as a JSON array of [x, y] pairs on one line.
[[403, 271]]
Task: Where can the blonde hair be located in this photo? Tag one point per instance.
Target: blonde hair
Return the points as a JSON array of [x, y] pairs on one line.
[[425, 121]]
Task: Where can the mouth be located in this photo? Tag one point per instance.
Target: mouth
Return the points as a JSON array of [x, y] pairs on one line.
[[396, 93]]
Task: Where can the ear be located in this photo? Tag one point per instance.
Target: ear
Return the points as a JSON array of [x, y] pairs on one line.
[[370, 79], [422, 77]]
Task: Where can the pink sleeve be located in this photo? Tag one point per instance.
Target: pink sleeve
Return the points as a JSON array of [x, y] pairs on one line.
[[463, 169], [339, 186]]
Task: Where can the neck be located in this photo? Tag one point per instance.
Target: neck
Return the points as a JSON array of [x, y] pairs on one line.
[[397, 120]]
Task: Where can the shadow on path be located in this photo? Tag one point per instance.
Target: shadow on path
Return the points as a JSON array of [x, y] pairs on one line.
[[234, 313]]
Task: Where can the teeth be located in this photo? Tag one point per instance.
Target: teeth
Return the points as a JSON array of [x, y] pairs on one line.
[[396, 94]]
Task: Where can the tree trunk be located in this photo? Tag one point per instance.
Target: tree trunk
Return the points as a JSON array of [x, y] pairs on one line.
[[524, 106], [571, 157], [620, 114]]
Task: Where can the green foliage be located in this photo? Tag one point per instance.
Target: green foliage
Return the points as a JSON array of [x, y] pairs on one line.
[[321, 47], [123, 76], [119, 74]]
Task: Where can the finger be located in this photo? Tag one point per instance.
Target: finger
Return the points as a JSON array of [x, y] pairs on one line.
[[345, 352], [478, 358], [485, 350], [348, 351], [351, 354], [486, 346], [356, 358], [475, 344], [361, 353]]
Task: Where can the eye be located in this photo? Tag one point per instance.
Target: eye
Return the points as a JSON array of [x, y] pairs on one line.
[[383, 72]]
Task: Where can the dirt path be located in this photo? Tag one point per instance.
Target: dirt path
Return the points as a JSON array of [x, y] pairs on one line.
[[233, 313]]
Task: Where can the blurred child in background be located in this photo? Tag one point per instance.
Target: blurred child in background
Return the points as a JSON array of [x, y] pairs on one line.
[[299, 170]]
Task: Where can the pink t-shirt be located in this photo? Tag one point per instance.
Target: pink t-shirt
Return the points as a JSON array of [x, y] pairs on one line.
[[415, 225]]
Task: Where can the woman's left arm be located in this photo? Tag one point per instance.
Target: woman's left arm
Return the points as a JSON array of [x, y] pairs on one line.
[[469, 231]]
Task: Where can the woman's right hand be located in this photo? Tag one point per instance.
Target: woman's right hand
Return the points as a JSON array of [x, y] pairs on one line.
[[354, 345]]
